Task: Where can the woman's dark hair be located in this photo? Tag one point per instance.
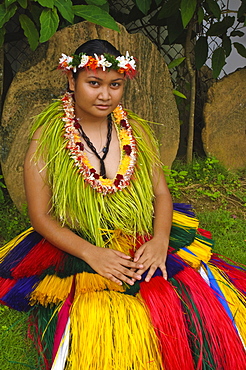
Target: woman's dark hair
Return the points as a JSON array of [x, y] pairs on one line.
[[96, 46]]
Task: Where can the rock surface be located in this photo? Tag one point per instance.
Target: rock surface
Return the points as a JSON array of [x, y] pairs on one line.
[[38, 82], [224, 135]]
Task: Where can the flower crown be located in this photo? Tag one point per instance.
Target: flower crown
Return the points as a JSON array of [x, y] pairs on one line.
[[122, 64]]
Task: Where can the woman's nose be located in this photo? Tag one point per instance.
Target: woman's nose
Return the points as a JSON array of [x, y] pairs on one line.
[[104, 93]]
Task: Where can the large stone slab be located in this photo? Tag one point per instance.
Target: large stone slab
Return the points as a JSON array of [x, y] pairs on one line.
[[38, 82], [224, 135]]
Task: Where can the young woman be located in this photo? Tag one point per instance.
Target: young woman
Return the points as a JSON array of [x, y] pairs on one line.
[[110, 287]]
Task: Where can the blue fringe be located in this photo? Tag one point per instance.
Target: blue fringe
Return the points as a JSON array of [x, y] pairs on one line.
[[174, 264], [184, 208], [17, 254], [17, 297]]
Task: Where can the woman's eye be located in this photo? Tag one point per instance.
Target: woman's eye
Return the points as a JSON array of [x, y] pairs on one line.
[[93, 83], [115, 84]]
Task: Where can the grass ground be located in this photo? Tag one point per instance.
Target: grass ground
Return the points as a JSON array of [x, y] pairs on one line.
[[219, 198]]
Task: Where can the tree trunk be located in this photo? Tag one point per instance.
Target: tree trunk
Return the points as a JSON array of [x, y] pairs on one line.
[[188, 50]]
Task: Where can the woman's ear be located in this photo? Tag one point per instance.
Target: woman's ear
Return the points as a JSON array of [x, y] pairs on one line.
[[71, 81]]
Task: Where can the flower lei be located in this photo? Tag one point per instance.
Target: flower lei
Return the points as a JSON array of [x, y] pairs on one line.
[[122, 64], [77, 152]]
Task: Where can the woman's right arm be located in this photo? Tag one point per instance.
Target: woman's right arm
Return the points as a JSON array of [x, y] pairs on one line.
[[109, 263]]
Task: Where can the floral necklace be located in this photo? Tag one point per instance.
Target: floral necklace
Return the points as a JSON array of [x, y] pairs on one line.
[[77, 151]]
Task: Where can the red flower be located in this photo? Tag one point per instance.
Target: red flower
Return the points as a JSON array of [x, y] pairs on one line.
[[123, 123], [81, 146], [96, 176], [116, 182], [76, 125], [92, 170], [127, 149], [119, 176]]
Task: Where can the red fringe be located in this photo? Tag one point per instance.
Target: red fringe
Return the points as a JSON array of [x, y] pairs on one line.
[[225, 345], [41, 257], [167, 318], [236, 275], [6, 285], [205, 233]]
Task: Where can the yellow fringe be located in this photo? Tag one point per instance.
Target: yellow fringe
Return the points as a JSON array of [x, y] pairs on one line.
[[184, 222], [201, 250], [51, 289], [86, 282], [10, 245], [113, 333], [119, 240], [235, 300]]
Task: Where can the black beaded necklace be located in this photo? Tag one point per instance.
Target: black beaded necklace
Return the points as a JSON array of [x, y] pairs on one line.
[[93, 149]]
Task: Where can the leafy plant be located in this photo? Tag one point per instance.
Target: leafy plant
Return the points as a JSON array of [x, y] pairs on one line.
[[40, 19], [184, 23], [207, 180], [2, 186]]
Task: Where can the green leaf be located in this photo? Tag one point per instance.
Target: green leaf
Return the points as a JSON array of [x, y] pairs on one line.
[[143, 5], [46, 3], [169, 9], [49, 21], [103, 4], [237, 33], [95, 15], [218, 28], [96, 2], [175, 63], [36, 13], [2, 33], [188, 8], [9, 2], [226, 43], [174, 27], [6, 14], [65, 8], [241, 10], [218, 61], [214, 8], [240, 49], [178, 93], [23, 3], [30, 31], [200, 15], [201, 52]]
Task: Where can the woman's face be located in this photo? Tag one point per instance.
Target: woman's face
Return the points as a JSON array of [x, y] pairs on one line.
[[97, 93]]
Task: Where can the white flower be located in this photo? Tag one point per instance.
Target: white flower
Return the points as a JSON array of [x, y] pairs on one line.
[[123, 61], [65, 61], [83, 61], [104, 63]]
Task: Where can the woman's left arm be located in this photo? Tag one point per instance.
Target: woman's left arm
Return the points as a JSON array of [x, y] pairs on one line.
[[153, 253]]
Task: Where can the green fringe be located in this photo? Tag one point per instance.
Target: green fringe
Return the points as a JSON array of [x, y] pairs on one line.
[[191, 311], [180, 238], [44, 322], [83, 209]]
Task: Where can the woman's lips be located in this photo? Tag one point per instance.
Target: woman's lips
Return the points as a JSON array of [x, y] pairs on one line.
[[102, 107]]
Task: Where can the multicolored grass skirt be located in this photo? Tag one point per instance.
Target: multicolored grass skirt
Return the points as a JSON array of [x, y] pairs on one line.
[[80, 320]]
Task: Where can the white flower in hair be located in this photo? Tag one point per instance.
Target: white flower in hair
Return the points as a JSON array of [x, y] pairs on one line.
[[123, 61], [102, 62], [65, 61], [83, 61]]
